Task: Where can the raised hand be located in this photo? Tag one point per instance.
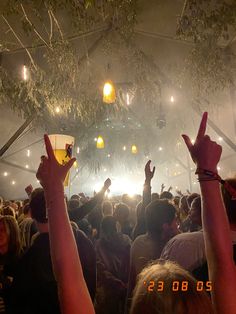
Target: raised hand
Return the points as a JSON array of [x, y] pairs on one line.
[[148, 172], [162, 187], [50, 172], [29, 190], [170, 188], [107, 184], [179, 192], [204, 152]]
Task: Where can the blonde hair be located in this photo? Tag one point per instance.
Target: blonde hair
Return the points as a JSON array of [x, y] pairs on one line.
[[168, 301]]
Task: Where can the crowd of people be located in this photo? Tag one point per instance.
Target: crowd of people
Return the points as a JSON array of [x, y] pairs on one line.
[[153, 253]]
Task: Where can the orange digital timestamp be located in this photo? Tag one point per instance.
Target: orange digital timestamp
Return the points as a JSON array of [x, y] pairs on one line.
[[177, 286]]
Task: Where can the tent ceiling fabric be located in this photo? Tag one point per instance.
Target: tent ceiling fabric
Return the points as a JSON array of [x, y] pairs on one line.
[[155, 39]]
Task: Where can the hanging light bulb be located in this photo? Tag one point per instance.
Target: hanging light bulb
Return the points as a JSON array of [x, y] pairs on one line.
[[100, 142], [134, 149], [109, 93], [25, 73]]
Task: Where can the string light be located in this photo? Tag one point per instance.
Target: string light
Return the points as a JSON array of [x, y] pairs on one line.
[[160, 149], [127, 99], [13, 182], [220, 138], [28, 153], [109, 155], [25, 73], [27, 166], [78, 150], [172, 99], [124, 148], [57, 110], [95, 139], [109, 93], [5, 174]]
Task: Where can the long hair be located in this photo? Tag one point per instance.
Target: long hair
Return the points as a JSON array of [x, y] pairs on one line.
[[187, 300], [14, 245]]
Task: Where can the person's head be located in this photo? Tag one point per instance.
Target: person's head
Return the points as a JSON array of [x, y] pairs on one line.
[[107, 208], [176, 201], [26, 210], [161, 219], [155, 196], [8, 211], [121, 212], [108, 227], [195, 211], [183, 205], [190, 198], [166, 195], [38, 206], [75, 197], [230, 203], [9, 236], [168, 301]]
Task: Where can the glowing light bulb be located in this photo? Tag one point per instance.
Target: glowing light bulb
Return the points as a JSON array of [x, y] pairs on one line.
[[124, 148], [220, 138], [13, 182], [28, 153], [57, 110], [5, 174], [192, 141], [109, 93], [27, 166], [100, 142], [127, 99], [218, 168], [160, 149], [134, 149], [172, 99], [78, 150], [109, 155], [25, 73]]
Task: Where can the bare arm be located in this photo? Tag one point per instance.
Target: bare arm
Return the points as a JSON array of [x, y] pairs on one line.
[[73, 293], [222, 272]]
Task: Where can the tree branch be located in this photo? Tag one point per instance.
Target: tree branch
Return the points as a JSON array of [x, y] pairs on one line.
[[36, 32], [14, 33]]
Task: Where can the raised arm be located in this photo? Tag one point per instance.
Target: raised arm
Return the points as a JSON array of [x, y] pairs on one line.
[[222, 272], [140, 225], [80, 212], [73, 293]]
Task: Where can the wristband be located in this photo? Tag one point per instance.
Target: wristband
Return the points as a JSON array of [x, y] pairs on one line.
[[212, 176]]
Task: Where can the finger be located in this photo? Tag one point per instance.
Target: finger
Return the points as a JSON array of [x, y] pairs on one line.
[[202, 127], [49, 149], [70, 163], [187, 142], [148, 164], [153, 170]]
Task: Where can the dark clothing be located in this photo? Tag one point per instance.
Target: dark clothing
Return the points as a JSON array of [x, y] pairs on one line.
[[79, 213], [34, 289], [113, 269]]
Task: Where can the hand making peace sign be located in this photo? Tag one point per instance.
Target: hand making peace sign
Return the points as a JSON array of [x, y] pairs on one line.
[[204, 152]]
